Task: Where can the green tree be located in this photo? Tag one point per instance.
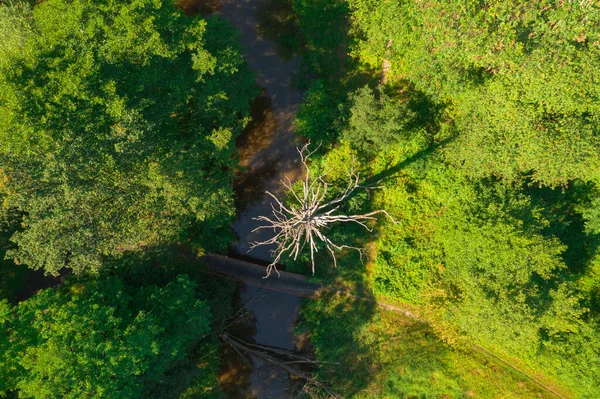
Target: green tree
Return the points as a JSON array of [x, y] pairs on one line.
[[592, 216], [519, 79], [508, 90], [376, 122], [322, 24], [117, 121], [7, 379], [98, 339], [488, 263]]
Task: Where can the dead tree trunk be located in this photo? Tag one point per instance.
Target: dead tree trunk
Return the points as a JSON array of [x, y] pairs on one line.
[[284, 359], [305, 221], [387, 65]]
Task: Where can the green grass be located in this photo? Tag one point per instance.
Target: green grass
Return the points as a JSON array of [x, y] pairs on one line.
[[382, 354]]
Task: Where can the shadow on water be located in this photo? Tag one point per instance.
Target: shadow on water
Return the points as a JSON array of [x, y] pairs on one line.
[[258, 135], [267, 318], [34, 281], [199, 7], [254, 171], [236, 367], [18, 282], [278, 22]]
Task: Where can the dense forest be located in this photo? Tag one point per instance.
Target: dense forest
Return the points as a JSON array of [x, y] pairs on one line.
[[476, 123]]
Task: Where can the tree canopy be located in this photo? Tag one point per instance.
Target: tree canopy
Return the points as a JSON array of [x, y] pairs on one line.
[[518, 79], [376, 122], [116, 126], [483, 135], [98, 339], [473, 124]]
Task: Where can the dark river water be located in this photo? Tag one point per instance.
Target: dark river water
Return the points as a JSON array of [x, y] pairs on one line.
[[267, 152]]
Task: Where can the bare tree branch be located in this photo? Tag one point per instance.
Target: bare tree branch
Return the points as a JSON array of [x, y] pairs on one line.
[[286, 360], [304, 222]]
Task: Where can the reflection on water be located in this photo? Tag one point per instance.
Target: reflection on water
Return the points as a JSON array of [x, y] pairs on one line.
[[236, 367], [256, 166], [268, 147], [278, 22], [199, 7], [258, 135], [37, 280], [270, 320], [267, 153]]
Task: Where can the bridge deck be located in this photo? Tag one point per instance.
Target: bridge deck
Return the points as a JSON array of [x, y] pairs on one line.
[[253, 274]]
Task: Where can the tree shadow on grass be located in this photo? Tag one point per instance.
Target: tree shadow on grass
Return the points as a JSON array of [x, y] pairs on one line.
[[560, 207], [334, 323], [341, 321], [335, 320], [376, 352], [392, 170], [368, 350]]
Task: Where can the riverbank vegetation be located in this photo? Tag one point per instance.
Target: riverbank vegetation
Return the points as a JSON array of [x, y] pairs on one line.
[[480, 123], [118, 122]]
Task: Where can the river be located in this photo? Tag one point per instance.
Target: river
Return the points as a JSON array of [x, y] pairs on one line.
[[267, 152]]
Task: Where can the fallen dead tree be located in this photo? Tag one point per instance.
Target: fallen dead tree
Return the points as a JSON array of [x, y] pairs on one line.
[[306, 221], [293, 363]]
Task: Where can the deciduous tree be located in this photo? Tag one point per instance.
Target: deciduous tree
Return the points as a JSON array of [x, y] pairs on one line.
[[97, 339], [117, 121], [519, 79]]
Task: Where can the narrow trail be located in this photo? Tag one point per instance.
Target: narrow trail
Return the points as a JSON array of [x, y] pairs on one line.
[[407, 313]]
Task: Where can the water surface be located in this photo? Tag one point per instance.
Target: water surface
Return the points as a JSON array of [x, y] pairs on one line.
[[267, 152]]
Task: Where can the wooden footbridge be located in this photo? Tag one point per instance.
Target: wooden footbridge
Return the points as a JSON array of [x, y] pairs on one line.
[[254, 274]]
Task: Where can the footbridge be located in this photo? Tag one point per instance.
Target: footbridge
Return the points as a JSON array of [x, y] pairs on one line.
[[254, 274]]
